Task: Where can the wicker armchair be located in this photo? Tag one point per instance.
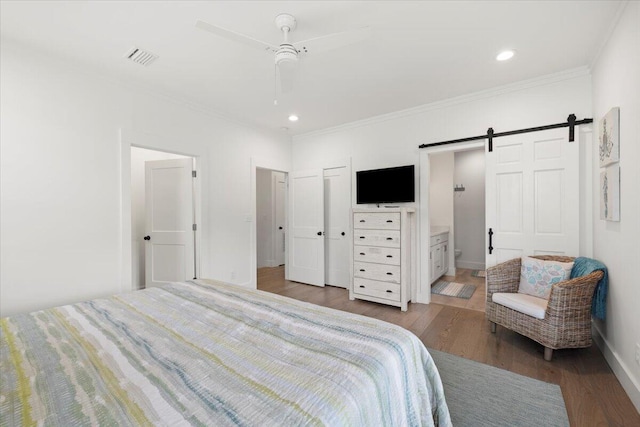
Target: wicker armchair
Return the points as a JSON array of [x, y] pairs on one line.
[[567, 320]]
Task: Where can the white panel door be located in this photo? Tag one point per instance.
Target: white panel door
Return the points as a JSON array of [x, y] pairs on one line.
[[279, 186], [532, 195], [306, 227], [169, 246], [337, 202]]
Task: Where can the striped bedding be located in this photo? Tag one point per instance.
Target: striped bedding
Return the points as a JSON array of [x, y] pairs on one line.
[[203, 354]]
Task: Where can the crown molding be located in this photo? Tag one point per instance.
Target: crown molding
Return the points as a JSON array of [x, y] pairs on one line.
[[449, 102]]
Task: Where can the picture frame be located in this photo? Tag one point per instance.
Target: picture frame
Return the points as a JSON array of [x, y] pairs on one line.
[[610, 193], [609, 137]]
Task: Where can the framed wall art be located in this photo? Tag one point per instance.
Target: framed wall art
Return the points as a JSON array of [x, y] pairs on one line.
[[609, 137], [610, 193]]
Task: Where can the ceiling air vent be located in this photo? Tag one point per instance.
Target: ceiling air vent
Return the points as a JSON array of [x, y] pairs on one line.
[[141, 56]]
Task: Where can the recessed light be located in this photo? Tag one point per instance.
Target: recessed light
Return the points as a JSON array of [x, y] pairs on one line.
[[505, 55], [293, 118]]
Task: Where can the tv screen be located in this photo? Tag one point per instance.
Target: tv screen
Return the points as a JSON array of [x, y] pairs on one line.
[[390, 185]]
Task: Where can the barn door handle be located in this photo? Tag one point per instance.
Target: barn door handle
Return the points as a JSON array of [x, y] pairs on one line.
[[490, 241], [147, 237]]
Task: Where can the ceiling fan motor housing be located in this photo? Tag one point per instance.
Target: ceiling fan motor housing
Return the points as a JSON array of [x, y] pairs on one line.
[[286, 53]]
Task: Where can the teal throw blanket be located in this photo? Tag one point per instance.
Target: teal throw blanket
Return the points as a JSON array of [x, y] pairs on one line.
[[583, 266]]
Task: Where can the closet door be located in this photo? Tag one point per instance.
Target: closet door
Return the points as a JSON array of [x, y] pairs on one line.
[[532, 196], [306, 231], [337, 201]]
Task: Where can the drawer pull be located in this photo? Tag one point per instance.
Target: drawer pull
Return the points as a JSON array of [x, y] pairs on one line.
[[362, 269], [362, 286], [362, 220], [389, 220], [389, 238], [389, 256], [362, 253], [389, 292], [362, 237], [388, 274]]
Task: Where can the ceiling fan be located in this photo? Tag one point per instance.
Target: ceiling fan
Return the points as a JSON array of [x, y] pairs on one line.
[[287, 52]]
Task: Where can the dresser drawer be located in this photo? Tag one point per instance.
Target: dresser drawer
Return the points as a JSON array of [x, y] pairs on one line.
[[377, 221], [379, 255], [389, 291], [388, 238], [439, 238], [382, 272]]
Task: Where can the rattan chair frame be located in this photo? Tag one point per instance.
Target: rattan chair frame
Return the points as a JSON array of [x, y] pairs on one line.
[[567, 320]]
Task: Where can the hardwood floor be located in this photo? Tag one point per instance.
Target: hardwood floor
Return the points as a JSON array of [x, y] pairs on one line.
[[592, 394]]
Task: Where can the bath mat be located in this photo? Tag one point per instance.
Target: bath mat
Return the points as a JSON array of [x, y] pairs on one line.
[[479, 273], [453, 289]]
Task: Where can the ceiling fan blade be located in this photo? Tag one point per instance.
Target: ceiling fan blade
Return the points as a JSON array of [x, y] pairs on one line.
[[287, 71], [236, 37], [333, 41]]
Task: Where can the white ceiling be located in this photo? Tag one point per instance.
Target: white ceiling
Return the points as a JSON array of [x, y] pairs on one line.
[[419, 52]]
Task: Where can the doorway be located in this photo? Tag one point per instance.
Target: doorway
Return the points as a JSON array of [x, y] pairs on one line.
[[164, 234], [469, 210], [270, 218]]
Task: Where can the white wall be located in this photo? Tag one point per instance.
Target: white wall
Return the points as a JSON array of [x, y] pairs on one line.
[[441, 190], [138, 158], [469, 208], [616, 83], [393, 139], [63, 186], [264, 217]]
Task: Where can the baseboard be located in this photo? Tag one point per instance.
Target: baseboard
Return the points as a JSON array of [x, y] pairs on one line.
[[620, 370], [470, 265]]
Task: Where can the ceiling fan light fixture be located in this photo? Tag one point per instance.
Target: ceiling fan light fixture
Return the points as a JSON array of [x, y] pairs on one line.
[[293, 118], [505, 55]]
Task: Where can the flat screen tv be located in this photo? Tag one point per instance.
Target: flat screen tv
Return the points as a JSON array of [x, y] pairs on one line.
[[390, 185]]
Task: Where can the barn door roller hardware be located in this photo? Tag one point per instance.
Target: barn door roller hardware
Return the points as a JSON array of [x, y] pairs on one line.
[[571, 123]]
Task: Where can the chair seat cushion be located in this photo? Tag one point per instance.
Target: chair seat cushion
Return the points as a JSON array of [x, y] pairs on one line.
[[527, 304]]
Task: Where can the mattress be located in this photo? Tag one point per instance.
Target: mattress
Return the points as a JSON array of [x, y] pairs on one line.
[[213, 354]]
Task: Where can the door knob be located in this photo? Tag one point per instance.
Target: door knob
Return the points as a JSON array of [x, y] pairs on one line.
[[343, 233], [147, 237], [319, 233], [279, 228]]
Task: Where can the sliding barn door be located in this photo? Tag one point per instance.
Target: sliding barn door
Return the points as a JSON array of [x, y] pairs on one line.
[[306, 227], [532, 196]]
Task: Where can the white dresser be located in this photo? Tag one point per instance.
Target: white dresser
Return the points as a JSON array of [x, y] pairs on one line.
[[383, 251]]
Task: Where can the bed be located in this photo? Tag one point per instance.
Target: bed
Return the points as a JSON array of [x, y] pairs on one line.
[[201, 353]]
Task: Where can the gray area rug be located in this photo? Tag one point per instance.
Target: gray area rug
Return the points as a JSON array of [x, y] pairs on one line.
[[482, 395]]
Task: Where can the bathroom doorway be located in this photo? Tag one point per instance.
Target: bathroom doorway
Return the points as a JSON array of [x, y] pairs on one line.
[[457, 228]]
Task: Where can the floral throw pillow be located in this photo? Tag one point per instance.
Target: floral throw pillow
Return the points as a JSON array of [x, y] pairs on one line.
[[538, 276]]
